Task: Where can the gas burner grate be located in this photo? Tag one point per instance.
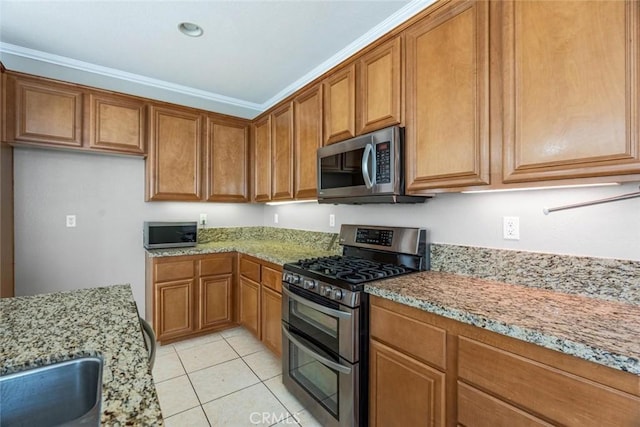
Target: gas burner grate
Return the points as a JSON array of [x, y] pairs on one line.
[[351, 269]]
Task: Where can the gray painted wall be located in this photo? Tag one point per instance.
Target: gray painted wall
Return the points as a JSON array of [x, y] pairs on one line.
[[609, 230], [107, 195]]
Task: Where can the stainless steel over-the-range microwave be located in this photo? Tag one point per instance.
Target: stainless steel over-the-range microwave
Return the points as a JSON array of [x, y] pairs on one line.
[[158, 235], [365, 169]]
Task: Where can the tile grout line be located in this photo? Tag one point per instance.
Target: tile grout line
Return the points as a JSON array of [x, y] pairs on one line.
[[291, 414]]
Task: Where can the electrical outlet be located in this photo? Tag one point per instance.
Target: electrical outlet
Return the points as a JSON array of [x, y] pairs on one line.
[[511, 228], [71, 220], [275, 218], [332, 220], [203, 219]]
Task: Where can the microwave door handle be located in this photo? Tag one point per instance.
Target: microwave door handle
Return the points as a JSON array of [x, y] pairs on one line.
[[322, 309], [330, 363], [366, 174]]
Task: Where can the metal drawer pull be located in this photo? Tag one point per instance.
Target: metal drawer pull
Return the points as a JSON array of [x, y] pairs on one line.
[[318, 307]]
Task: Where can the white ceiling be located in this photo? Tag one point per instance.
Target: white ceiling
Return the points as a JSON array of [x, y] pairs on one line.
[[252, 53]]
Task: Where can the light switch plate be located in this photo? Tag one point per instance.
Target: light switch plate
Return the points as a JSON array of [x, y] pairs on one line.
[[71, 221]]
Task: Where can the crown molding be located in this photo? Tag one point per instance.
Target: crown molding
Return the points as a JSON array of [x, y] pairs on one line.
[[402, 15], [408, 11], [124, 75]]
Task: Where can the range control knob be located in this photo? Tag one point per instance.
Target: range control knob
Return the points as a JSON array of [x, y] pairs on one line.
[[327, 291], [337, 294], [309, 284], [295, 279]]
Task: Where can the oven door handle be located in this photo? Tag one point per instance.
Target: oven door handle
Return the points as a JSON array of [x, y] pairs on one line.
[[330, 363], [315, 306]]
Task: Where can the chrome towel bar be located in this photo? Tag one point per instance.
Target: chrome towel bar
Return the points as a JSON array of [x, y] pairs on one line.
[[627, 196]]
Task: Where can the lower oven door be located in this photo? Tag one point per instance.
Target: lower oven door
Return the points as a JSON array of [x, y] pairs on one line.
[[334, 326], [326, 384]]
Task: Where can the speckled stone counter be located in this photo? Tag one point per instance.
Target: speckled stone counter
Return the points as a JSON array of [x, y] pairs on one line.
[[276, 245], [604, 332], [275, 251], [43, 329]]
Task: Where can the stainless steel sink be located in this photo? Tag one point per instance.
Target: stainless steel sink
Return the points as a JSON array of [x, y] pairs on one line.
[[62, 394]]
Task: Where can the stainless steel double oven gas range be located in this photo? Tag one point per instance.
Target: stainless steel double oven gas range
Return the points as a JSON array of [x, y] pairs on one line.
[[325, 318]]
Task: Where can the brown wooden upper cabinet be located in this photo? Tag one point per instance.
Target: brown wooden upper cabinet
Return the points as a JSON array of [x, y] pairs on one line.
[[571, 76], [340, 105], [227, 157], [48, 113], [282, 152], [380, 87], [261, 152], [174, 170], [307, 113], [447, 95], [117, 123], [41, 111]]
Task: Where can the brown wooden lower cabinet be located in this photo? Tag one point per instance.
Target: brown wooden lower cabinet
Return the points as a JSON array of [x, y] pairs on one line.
[[260, 304], [215, 300], [472, 377], [250, 305], [271, 319], [404, 391], [190, 295], [174, 308]]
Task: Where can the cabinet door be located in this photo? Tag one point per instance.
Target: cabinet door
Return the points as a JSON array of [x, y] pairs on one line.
[[214, 300], [44, 112], [340, 105], [227, 161], [447, 111], [282, 146], [174, 163], [250, 305], [174, 309], [308, 138], [117, 123], [403, 391], [271, 315], [262, 160], [380, 87], [571, 89]]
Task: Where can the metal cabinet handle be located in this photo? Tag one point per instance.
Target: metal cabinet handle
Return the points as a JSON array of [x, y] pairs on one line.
[[330, 363]]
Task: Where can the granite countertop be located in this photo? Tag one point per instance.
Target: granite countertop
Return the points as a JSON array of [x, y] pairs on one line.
[[600, 331], [275, 251], [43, 329]]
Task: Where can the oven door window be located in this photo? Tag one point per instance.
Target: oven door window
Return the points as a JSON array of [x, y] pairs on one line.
[[319, 380], [321, 327]]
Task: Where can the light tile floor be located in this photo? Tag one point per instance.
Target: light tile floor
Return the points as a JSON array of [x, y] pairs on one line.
[[226, 379]]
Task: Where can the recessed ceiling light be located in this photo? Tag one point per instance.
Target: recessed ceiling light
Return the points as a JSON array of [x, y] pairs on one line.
[[190, 29]]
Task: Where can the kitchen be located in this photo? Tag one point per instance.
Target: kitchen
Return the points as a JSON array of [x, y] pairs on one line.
[[52, 184]]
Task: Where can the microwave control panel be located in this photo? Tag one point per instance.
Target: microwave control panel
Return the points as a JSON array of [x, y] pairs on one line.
[[383, 163]]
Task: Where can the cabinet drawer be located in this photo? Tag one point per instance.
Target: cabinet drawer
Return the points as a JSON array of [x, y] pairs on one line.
[[272, 278], [216, 265], [556, 395], [174, 271], [418, 339], [478, 409], [250, 269]]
